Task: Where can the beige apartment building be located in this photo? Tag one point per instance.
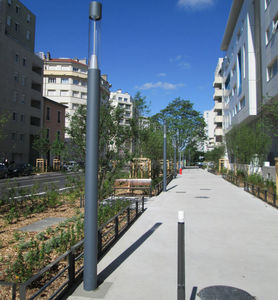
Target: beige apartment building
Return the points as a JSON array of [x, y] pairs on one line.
[[65, 81], [124, 101], [218, 103], [20, 82]]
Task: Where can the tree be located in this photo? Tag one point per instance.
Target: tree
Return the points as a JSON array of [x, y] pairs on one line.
[[215, 154], [270, 117], [182, 121], [247, 143], [57, 147], [41, 143], [114, 144]]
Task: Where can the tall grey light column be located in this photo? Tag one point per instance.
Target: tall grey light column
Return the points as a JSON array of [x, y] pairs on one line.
[[91, 172], [175, 157], [164, 157]]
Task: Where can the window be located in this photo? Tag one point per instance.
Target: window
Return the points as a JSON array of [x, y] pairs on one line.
[[51, 93], [75, 94], [36, 104], [64, 80], [23, 98], [272, 70], [242, 103], [58, 135], [75, 69], [227, 83], [120, 98], [66, 68], [9, 20], [23, 80], [17, 58], [59, 117], [51, 80], [47, 133], [48, 113], [74, 106], [267, 2], [24, 61], [17, 8], [28, 19], [243, 60], [13, 136], [239, 72], [9, 2], [64, 93], [271, 30], [83, 83], [83, 95], [14, 116], [21, 137], [125, 99], [15, 96], [16, 27], [35, 121], [16, 76], [75, 81], [28, 35], [22, 118]]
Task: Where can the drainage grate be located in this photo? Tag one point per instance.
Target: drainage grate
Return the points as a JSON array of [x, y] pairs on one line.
[[205, 189], [202, 197], [180, 192], [222, 292]]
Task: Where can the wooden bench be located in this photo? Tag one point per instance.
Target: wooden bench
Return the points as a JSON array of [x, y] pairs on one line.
[[133, 187]]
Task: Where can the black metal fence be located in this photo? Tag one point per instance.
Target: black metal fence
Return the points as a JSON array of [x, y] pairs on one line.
[[259, 192], [69, 266], [158, 188]]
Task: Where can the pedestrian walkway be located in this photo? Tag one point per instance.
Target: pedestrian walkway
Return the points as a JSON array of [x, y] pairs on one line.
[[231, 240]]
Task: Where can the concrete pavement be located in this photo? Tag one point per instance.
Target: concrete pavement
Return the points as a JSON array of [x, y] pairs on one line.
[[231, 239]]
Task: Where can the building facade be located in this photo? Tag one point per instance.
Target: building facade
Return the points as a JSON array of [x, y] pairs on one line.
[[20, 82], [124, 101], [209, 144], [65, 81], [218, 103], [251, 63]]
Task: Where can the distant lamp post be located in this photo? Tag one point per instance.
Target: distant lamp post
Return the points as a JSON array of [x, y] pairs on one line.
[[91, 173], [164, 157]]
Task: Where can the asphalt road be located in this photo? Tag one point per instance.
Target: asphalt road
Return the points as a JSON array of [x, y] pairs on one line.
[[37, 183]]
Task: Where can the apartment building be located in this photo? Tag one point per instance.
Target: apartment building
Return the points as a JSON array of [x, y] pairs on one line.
[[250, 65], [65, 81], [124, 101], [20, 82], [218, 103], [209, 144]]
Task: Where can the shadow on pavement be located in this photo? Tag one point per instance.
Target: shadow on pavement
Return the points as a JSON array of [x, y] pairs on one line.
[[172, 187], [120, 259]]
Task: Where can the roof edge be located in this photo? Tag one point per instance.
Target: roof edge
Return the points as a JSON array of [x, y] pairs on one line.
[[232, 20]]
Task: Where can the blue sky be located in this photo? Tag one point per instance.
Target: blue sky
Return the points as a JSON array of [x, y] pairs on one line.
[[165, 49]]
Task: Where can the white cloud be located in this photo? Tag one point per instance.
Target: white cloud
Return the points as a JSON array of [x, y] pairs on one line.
[[161, 74], [180, 62], [160, 85], [195, 3]]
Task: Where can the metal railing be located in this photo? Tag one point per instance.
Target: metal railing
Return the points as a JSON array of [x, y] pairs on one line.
[[70, 264], [158, 188], [257, 191], [261, 193]]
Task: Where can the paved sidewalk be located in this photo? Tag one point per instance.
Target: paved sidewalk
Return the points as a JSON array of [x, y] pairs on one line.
[[231, 239]]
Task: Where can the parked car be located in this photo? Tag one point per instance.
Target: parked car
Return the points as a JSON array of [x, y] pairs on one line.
[[20, 169], [3, 171], [70, 166]]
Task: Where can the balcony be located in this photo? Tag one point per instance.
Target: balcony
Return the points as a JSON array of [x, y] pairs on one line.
[[218, 82], [218, 105], [218, 131], [217, 94], [218, 119]]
